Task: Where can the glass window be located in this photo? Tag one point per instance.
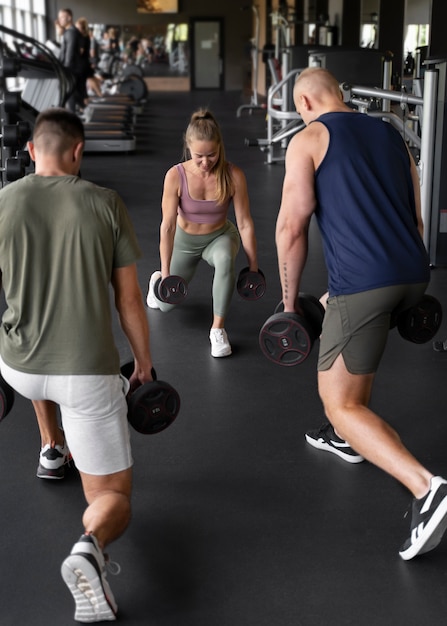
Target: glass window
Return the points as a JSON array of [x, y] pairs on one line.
[[39, 7], [24, 5], [20, 16], [19, 22], [7, 18], [39, 28]]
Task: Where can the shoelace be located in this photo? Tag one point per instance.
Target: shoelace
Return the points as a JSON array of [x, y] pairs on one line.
[[219, 336], [112, 567]]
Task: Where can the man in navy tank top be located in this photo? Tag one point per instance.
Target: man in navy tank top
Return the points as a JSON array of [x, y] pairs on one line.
[[355, 173]]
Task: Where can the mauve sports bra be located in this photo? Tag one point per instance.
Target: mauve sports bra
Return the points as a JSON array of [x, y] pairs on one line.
[[199, 211]]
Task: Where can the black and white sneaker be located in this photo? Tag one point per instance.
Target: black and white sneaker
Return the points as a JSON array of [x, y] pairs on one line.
[[440, 346], [325, 438], [428, 520], [84, 574], [53, 460]]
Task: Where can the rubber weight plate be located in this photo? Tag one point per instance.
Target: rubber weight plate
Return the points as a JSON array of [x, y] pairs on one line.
[[286, 339], [153, 407], [251, 285], [313, 311], [172, 289], [422, 322], [134, 87], [6, 397], [128, 368]]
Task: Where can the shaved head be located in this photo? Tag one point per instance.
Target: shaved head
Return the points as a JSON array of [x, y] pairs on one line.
[[318, 83]]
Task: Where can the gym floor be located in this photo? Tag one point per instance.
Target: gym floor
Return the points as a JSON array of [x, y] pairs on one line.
[[236, 520]]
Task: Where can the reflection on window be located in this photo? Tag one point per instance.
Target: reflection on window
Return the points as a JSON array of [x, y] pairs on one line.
[[417, 35], [24, 16], [368, 36], [7, 17], [39, 7]]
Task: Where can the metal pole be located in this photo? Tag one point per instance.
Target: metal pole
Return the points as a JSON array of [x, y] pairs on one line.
[[394, 96], [431, 77], [387, 74], [255, 52]]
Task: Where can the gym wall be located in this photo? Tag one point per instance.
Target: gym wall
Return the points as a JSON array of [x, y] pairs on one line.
[[237, 25]]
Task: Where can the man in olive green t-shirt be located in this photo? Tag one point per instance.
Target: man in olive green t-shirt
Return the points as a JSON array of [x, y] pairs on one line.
[[63, 242]]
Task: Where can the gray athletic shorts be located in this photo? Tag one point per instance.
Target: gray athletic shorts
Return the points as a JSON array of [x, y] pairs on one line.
[[357, 326], [94, 415]]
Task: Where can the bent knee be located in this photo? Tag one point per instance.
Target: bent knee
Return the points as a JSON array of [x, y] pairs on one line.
[[117, 485]]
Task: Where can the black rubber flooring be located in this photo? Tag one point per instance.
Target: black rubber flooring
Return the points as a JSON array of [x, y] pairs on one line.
[[236, 520]]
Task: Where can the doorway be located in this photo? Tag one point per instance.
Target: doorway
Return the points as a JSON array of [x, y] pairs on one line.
[[207, 53]]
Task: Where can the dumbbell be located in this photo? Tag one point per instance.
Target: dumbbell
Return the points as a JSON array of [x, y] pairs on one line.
[[287, 338], [11, 135], [6, 398], [14, 168], [421, 322], [172, 289], [11, 101], [152, 407], [251, 285], [14, 135], [9, 66]]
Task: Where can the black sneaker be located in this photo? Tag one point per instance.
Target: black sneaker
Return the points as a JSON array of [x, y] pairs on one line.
[[440, 346], [324, 438], [428, 520], [84, 574]]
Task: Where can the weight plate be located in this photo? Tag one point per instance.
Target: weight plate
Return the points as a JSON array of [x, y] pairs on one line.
[[172, 289], [128, 368], [312, 309], [286, 339], [251, 285], [6, 398], [134, 87], [153, 407], [421, 323]]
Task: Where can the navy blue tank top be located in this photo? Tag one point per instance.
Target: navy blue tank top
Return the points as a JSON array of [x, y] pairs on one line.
[[365, 207]]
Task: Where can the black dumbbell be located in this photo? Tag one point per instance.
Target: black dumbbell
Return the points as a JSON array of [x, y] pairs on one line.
[[420, 323], [15, 135], [172, 289], [152, 407], [9, 67], [6, 397], [11, 135], [11, 101], [287, 338], [251, 285]]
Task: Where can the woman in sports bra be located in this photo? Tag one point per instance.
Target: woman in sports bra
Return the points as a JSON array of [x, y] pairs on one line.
[[196, 198]]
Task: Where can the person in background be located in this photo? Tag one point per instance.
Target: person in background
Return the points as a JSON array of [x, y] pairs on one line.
[[90, 81], [70, 57]]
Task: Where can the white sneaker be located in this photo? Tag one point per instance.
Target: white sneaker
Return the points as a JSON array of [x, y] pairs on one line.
[[152, 300], [84, 573], [220, 346]]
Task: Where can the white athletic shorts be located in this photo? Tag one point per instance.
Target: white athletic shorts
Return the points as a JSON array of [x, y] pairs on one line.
[[94, 415]]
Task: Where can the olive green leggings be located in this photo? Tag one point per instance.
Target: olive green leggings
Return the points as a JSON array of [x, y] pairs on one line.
[[219, 249]]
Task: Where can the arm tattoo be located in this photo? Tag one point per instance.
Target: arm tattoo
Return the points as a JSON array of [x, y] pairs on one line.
[[285, 281]]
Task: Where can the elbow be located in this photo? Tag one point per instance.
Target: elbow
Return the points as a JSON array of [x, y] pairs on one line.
[[129, 303], [167, 229], [287, 235]]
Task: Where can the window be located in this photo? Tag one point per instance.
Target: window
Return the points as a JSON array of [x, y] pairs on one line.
[[24, 16]]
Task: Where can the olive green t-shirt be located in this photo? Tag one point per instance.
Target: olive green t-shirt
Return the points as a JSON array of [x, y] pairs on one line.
[[60, 239]]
